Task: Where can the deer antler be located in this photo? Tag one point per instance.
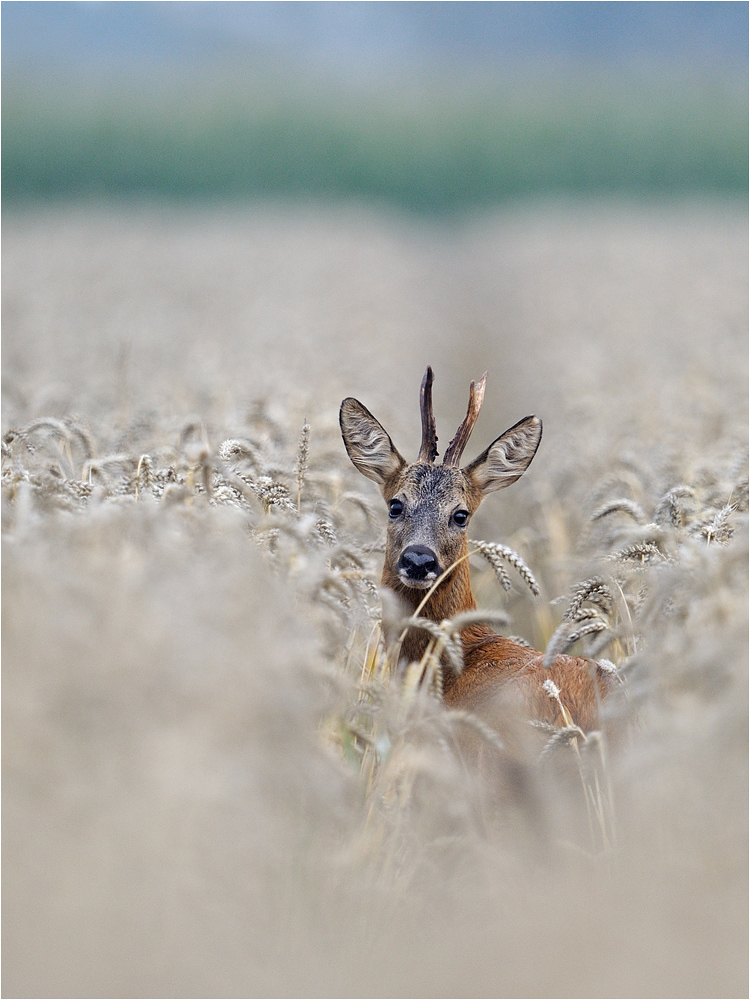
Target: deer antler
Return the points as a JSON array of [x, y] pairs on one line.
[[428, 450], [456, 447]]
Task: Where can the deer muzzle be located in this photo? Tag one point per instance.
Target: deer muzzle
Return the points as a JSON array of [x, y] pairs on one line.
[[418, 567]]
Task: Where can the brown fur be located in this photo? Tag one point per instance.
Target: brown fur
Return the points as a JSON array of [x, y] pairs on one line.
[[497, 670], [501, 682]]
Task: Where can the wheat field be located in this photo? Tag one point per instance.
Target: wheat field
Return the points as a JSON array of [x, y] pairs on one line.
[[216, 780]]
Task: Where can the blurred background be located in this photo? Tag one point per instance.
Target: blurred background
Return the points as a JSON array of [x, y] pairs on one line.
[[219, 219], [432, 107], [220, 198]]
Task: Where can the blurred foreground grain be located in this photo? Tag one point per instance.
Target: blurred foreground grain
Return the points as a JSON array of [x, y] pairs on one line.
[[211, 785]]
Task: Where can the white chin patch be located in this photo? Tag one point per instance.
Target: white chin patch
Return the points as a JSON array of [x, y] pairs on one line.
[[417, 584]]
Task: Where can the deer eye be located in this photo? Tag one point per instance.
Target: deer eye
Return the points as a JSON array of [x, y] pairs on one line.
[[461, 518], [395, 508]]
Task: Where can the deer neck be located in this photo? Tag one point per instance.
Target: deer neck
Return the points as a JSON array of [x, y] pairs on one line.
[[453, 596]]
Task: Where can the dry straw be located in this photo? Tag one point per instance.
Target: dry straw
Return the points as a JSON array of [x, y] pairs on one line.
[[219, 780], [384, 720]]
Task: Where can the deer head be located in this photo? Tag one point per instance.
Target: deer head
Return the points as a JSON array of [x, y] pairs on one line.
[[429, 505]]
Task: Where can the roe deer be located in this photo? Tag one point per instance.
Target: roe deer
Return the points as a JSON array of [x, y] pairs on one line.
[[429, 509]]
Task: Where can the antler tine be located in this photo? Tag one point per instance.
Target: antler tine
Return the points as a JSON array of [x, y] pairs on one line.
[[428, 451], [456, 448]]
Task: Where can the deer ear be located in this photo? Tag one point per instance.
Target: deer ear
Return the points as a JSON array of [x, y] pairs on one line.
[[369, 446], [507, 458]]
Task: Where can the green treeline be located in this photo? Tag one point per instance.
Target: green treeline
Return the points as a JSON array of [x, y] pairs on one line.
[[446, 146]]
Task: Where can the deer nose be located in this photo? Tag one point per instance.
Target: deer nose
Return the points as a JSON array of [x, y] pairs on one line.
[[418, 562]]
